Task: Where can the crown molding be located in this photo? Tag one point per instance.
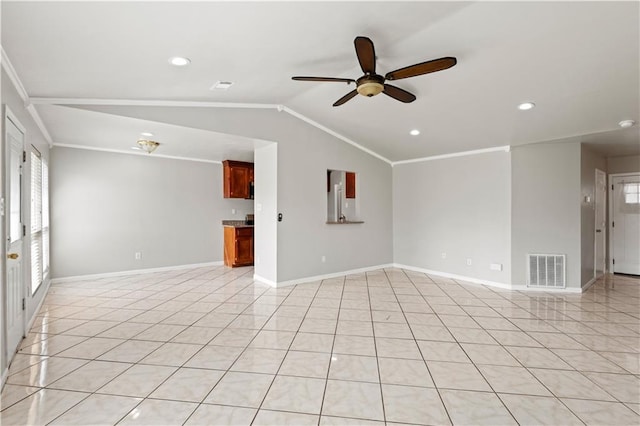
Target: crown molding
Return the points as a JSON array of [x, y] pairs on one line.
[[13, 76], [132, 152], [505, 148], [22, 92], [151, 102]]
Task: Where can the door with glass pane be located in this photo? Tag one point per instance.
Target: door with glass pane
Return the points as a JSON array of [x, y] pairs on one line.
[[625, 224], [14, 284]]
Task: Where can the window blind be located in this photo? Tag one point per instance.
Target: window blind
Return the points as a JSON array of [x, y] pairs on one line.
[[36, 220]]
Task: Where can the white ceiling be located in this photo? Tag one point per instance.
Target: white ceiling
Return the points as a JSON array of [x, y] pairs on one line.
[[578, 61]]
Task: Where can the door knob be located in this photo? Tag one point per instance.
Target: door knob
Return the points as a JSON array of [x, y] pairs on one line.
[[13, 256]]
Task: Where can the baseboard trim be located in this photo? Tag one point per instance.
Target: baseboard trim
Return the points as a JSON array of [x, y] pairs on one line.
[[263, 280], [322, 277], [590, 283], [45, 289], [454, 276], [488, 283], [3, 378], [133, 272]]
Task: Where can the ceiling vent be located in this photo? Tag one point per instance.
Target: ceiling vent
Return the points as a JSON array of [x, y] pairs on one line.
[[546, 270]]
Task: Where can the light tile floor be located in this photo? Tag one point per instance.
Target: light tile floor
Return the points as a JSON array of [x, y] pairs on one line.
[[210, 346]]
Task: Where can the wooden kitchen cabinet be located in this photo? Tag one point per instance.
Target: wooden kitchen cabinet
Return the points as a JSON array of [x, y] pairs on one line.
[[238, 246], [237, 179], [350, 185]]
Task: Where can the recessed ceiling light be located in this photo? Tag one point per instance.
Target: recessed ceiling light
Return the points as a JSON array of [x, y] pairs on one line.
[[525, 106], [414, 132], [147, 134], [626, 123], [179, 61], [221, 85]]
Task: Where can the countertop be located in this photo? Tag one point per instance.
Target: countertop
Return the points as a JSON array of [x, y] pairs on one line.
[[236, 224], [346, 222]]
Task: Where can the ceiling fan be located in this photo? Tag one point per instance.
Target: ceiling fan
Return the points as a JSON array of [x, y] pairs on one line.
[[371, 84]]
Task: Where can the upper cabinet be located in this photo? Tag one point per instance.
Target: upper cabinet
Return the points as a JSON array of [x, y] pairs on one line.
[[350, 184], [237, 179]]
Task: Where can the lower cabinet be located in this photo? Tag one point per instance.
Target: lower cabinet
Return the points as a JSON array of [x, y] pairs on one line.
[[238, 246]]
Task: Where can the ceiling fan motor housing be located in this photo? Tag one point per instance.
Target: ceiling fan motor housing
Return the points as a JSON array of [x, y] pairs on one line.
[[370, 85]]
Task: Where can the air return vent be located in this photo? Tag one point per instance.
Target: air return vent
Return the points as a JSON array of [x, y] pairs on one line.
[[546, 270]]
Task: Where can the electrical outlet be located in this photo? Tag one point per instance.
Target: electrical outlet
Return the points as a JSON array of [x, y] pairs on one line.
[[444, 255], [323, 259], [469, 262], [138, 255], [496, 267]]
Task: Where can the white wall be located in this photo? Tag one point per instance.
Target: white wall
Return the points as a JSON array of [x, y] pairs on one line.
[[545, 213], [459, 206], [589, 162], [107, 206], [624, 164], [304, 155]]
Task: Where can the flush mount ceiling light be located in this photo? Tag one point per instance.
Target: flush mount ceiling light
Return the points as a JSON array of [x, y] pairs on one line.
[[221, 85], [525, 106], [146, 134], [626, 123], [179, 61], [147, 145], [414, 132]]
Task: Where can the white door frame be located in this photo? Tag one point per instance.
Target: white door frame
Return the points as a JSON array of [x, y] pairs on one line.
[[610, 218], [596, 226], [8, 115]]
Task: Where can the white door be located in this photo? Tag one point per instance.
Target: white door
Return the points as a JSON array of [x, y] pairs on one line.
[[625, 224], [601, 223], [14, 293]]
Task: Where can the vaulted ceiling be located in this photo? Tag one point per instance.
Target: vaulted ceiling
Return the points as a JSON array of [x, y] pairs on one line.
[[577, 61]]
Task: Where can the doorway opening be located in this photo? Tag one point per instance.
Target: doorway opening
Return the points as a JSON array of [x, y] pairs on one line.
[[624, 222]]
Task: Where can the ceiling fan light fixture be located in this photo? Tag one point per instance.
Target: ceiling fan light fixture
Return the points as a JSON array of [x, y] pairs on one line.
[[370, 88], [526, 106], [372, 84], [147, 145], [626, 123]]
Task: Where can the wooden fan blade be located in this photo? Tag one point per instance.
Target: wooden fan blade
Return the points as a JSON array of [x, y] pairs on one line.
[[333, 79], [422, 68], [366, 54], [345, 98], [398, 93]]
